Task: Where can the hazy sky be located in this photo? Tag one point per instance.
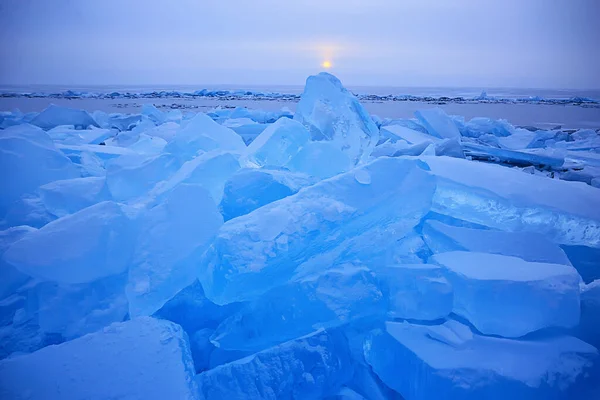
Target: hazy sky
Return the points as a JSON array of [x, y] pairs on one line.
[[481, 43]]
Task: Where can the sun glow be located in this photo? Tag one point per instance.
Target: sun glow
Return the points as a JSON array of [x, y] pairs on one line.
[[326, 64]]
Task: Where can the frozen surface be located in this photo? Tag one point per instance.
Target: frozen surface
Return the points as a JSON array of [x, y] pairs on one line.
[[332, 113], [142, 358], [310, 367], [506, 296], [449, 361], [260, 250]]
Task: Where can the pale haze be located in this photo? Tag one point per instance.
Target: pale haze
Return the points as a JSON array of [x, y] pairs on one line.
[[477, 43]]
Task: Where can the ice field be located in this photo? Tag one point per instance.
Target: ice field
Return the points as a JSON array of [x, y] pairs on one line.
[[317, 251]]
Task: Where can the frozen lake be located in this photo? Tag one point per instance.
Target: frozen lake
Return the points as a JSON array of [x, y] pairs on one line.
[[526, 113]]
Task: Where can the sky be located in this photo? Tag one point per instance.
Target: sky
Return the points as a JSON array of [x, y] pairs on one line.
[[465, 43]]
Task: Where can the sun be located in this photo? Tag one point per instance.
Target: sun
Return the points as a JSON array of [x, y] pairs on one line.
[[326, 64]]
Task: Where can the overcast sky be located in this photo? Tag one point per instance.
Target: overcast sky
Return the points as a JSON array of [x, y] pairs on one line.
[[480, 43]]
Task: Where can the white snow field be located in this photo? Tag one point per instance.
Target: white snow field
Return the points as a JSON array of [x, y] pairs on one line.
[[318, 254]]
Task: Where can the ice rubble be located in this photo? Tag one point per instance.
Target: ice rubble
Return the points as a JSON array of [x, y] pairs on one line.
[[326, 254]]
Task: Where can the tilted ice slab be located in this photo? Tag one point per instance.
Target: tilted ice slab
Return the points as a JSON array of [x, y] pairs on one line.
[[249, 189], [170, 233], [411, 136], [55, 115], [93, 243], [441, 238], [263, 249], [142, 358], [28, 158], [506, 296], [203, 134], [450, 362], [209, 170], [509, 200], [277, 144], [332, 113], [438, 123], [337, 296], [129, 177], [310, 367], [10, 277], [322, 160], [68, 196]]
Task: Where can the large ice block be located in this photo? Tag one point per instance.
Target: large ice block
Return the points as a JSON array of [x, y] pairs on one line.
[[129, 177], [332, 113], [415, 291], [54, 115], [203, 134], [321, 160], [335, 297], [506, 296], [28, 159], [165, 256], [263, 249], [441, 238], [143, 358], [509, 200], [438, 123], [277, 144], [93, 243], [68, 196], [249, 189], [448, 361], [310, 367], [10, 277], [72, 311]]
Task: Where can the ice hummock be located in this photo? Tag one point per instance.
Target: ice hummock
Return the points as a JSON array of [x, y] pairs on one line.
[[332, 113], [330, 224]]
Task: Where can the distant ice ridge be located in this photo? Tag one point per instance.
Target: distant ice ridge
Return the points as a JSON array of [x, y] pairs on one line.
[[293, 97], [330, 254]]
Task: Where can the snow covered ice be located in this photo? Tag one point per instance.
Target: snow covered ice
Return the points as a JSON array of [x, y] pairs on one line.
[[238, 253]]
